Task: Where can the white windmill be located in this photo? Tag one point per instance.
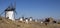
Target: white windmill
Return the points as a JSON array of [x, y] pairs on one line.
[[26, 20], [30, 19], [22, 18], [10, 12]]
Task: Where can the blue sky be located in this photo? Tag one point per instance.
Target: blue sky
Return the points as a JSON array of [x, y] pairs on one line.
[[34, 8]]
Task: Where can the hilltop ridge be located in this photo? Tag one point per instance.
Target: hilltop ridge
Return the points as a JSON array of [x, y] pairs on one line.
[[7, 23]]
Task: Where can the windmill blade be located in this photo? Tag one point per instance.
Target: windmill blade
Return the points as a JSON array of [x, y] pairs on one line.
[[2, 13], [16, 12], [14, 5]]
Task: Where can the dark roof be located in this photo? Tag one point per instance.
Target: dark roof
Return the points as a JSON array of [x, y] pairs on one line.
[[10, 9]]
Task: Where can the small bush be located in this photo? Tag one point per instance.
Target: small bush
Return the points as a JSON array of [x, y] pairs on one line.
[[58, 22], [0, 18], [54, 21], [18, 25]]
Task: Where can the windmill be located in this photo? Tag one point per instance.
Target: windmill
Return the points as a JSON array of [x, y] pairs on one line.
[[22, 18], [10, 11]]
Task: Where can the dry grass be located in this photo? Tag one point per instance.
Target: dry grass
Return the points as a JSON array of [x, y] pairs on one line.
[[6, 23]]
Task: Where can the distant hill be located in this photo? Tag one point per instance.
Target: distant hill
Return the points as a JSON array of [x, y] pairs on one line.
[[6, 23]]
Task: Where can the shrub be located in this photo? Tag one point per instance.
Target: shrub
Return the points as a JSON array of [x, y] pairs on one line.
[[58, 22], [18, 25], [54, 21], [0, 18]]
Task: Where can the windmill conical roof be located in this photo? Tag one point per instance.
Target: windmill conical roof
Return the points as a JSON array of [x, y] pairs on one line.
[[10, 9]]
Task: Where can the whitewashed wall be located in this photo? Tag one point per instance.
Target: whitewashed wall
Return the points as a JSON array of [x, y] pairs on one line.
[[21, 19], [10, 14]]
